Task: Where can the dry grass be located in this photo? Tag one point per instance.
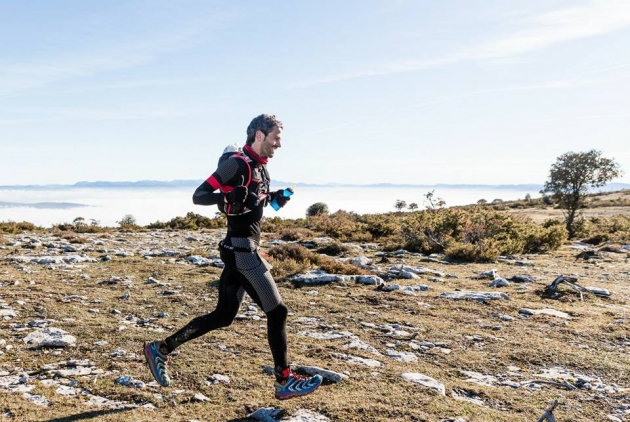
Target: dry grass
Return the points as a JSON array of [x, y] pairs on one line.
[[589, 343]]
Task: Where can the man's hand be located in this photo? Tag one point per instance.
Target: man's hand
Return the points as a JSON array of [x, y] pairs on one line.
[[238, 194], [280, 198], [252, 200]]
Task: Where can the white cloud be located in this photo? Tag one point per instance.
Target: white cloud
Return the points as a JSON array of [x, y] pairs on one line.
[[542, 31], [103, 58], [551, 28]]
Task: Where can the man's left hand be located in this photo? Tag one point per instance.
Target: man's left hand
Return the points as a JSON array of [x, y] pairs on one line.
[[279, 197]]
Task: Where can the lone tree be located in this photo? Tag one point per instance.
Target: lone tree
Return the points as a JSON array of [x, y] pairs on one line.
[[400, 204], [572, 175], [316, 209], [413, 206]]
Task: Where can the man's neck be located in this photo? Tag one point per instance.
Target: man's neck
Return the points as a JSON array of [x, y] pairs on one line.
[[255, 155]]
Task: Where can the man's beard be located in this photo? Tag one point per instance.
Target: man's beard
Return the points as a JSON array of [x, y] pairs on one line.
[[268, 150]]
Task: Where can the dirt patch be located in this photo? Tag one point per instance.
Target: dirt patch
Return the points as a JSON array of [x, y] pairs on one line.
[[541, 215]]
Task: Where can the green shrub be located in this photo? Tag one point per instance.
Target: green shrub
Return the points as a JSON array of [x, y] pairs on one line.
[[332, 266], [191, 221], [296, 234], [333, 249], [12, 227], [278, 225], [478, 234], [287, 267], [342, 225], [318, 208], [483, 251], [596, 230], [292, 251], [290, 258]]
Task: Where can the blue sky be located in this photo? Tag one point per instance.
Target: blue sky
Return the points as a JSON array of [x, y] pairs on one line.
[[369, 91]]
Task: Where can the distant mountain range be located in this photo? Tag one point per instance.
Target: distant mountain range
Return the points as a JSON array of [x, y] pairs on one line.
[[42, 205], [194, 183]]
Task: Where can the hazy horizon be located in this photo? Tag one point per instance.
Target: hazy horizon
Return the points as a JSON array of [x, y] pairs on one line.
[[151, 204]]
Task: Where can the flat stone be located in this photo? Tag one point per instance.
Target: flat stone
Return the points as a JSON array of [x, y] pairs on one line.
[[401, 356], [199, 398], [481, 379], [358, 344], [331, 335], [467, 396], [470, 295], [370, 280], [598, 291], [372, 363], [9, 313], [499, 282], [304, 415], [425, 381], [265, 414], [217, 379], [49, 337], [325, 373], [551, 312], [37, 399]]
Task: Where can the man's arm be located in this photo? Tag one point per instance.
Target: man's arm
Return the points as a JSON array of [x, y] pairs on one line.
[[223, 180], [205, 195]]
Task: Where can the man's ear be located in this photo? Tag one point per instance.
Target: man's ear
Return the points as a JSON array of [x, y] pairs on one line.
[[260, 136]]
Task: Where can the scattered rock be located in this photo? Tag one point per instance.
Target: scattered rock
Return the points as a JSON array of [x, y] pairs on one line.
[[49, 337], [325, 374], [470, 295], [552, 312], [425, 381], [218, 379]]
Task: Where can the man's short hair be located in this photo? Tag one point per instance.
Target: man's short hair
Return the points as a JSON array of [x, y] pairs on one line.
[[264, 123]]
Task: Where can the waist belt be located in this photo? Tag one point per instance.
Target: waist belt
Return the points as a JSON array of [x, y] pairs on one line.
[[236, 248]]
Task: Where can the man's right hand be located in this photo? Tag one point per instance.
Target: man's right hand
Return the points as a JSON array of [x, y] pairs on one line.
[[238, 194]]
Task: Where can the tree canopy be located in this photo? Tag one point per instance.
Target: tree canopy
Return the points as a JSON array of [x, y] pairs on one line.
[[571, 176]]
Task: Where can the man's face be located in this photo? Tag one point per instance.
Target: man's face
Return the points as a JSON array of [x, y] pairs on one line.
[[271, 142]]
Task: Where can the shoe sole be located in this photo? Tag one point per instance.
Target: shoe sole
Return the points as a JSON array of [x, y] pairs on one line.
[[292, 395], [147, 357]]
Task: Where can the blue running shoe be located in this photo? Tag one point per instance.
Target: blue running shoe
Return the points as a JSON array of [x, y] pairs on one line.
[[296, 385], [157, 362]]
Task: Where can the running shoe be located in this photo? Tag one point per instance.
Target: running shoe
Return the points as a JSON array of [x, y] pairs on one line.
[[157, 362], [296, 385]]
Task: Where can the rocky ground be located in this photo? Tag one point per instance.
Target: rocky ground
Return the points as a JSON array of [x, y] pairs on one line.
[[420, 340]]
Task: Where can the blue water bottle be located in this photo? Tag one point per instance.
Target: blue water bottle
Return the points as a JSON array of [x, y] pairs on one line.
[[286, 193]]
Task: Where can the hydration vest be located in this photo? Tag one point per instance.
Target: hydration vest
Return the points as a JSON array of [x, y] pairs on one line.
[[257, 176]]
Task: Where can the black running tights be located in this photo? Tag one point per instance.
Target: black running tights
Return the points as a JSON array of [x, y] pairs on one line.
[[232, 286]]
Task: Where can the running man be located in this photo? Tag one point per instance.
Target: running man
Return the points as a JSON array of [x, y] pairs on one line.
[[240, 188]]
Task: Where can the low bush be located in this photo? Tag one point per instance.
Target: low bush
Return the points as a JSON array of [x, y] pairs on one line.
[[79, 225], [277, 224], [296, 234], [597, 230], [291, 251], [12, 227], [191, 221], [333, 249], [289, 259], [477, 234]]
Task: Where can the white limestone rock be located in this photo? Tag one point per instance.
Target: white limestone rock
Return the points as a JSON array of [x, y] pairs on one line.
[[425, 381], [325, 373], [471, 295], [49, 337], [551, 312]]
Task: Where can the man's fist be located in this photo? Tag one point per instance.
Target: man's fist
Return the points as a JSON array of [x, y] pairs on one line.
[[238, 194], [280, 198]]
